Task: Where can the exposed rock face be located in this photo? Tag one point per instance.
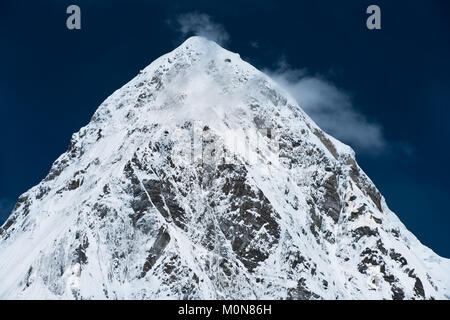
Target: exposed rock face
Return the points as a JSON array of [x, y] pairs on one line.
[[201, 178]]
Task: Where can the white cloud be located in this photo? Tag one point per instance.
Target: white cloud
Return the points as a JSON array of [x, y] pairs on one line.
[[254, 44], [330, 108], [201, 24]]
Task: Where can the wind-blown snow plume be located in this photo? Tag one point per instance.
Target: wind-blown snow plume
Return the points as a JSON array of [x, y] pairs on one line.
[[201, 24], [331, 108]]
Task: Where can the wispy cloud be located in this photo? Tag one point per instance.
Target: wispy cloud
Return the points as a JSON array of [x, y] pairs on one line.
[[254, 44], [200, 24], [331, 108]]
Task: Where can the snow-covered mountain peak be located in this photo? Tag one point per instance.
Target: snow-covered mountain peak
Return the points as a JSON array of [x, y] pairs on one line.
[[201, 45], [202, 178]]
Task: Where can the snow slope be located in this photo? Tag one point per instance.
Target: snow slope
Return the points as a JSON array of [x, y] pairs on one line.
[[203, 179]]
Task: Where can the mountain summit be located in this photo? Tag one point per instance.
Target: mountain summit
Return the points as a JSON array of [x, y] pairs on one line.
[[201, 178]]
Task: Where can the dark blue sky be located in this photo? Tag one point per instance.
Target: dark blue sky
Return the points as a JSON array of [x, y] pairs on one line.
[[52, 80]]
